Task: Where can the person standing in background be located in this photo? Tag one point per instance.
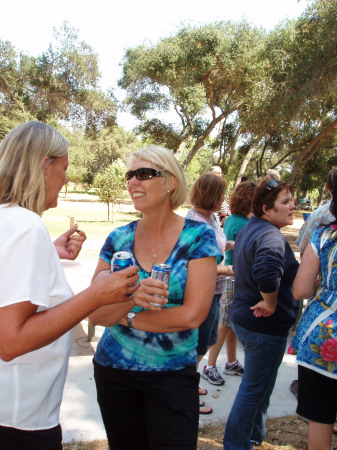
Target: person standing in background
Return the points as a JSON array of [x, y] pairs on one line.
[[263, 309], [321, 216], [240, 202], [206, 196], [224, 211]]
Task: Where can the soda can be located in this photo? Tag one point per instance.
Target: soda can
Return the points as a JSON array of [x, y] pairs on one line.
[[121, 260], [161, 272]]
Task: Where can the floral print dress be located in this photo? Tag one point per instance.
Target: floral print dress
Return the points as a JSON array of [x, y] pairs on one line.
[[315, 340]]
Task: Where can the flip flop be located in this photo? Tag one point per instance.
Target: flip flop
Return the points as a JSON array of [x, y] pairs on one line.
[[203, 405], [202, 391]]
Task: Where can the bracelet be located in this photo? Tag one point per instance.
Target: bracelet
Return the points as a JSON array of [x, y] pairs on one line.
[[227, 270]]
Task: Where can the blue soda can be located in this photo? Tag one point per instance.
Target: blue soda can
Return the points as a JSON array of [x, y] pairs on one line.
[[121, 260], [161, 272]]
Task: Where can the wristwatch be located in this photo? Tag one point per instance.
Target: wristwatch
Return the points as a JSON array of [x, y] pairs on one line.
[[131, 315]]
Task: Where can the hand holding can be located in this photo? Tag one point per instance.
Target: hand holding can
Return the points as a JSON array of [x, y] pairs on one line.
[[120, 261], [161, 272]]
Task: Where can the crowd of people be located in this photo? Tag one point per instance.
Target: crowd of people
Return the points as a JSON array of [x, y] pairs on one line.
[[234, 277]]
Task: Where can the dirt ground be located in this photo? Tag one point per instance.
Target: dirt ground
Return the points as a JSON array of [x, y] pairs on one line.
[[283, 433]]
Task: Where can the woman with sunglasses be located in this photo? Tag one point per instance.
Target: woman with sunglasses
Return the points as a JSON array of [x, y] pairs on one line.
[[145, 367], [263, 309]]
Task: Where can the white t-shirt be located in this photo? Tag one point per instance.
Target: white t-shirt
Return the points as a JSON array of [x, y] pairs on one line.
[[31, 386]]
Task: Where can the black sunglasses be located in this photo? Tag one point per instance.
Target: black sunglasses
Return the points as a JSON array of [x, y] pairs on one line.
[[145, 173], [272, 184]]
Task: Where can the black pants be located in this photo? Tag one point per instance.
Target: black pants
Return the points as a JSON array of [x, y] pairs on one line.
[[149, 410], [15, 439]]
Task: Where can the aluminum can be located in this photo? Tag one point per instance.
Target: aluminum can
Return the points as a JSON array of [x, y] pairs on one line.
[[161, 272], [121, 260]]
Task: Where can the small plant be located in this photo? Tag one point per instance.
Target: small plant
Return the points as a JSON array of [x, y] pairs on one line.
[[110, 185]]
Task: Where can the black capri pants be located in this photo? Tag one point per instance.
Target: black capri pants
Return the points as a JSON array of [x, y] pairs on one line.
[[149, 410], [16, 439]]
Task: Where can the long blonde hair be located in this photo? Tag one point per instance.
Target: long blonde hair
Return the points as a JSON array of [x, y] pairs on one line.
[[21, 156]]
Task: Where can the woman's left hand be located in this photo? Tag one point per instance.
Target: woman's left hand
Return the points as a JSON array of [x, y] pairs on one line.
[[69, 245], [147, 293]]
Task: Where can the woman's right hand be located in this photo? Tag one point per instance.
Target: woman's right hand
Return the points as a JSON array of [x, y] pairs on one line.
[[147, 293], [114, 287]]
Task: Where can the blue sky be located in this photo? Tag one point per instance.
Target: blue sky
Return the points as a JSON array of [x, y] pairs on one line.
[[111, 26]]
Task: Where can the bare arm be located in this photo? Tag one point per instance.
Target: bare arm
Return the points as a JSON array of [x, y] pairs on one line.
[[23, 329], [198, 296], [305, 281], [225, 270]]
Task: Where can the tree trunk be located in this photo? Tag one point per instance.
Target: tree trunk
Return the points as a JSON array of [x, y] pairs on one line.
[[112, 212], [201, 139], [321, 194], [310, 150], [246, 160], [233, 144]]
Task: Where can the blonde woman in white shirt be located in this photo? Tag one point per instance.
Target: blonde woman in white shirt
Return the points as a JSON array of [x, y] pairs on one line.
[[37, 307]]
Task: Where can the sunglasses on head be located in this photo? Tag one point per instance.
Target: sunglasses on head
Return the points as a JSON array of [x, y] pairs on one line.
[[272, 184], [144, 173]]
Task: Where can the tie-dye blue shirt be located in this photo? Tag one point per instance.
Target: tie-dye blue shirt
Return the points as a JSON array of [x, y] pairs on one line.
[[129, 349]]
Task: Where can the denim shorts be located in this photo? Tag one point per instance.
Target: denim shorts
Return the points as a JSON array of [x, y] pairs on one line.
[[208, 330]]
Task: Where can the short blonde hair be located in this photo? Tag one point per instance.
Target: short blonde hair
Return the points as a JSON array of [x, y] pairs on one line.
[[164, 159], [21, 156]]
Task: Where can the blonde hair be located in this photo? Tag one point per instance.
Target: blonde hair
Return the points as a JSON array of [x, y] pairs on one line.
[[21, 156], [164, 159]]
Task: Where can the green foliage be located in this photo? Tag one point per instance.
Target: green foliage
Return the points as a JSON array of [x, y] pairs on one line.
[[109, 184], [256, 100], [315, 172], [245, 99], [62, 82], [202, 73]]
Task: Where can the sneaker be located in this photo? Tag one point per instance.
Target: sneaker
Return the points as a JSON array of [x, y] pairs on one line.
[[237, 369], [212, 375], [294, 388]]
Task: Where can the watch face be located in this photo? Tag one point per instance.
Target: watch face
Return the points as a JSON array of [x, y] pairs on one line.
[[130, 318]]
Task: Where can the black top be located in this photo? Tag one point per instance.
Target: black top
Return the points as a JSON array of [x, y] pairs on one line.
[[263, 261]]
